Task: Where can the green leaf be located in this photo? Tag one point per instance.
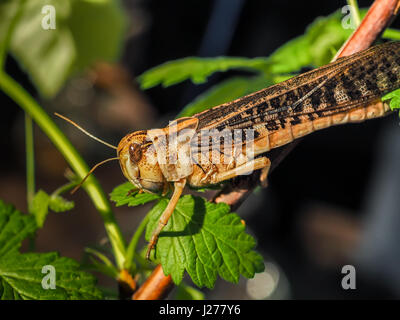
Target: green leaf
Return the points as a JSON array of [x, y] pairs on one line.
[[21, 274], [42, 202], [59, 204], [226, 91], [204, 239], [290, 57], [40, 207], [21, 278], [185, 292], [314, 48], [196, 69], [79, 40], [394, 98], [128, 194], [14, 227]]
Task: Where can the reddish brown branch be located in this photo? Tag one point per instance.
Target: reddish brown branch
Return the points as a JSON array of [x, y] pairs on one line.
[[156, 287], [379, 16]]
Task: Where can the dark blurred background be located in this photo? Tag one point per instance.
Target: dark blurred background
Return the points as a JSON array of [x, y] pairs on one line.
[[333, 201]]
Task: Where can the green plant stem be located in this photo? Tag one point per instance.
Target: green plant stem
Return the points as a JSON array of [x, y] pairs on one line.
[[30, 160], [100, 201], [355, 12], [130, 252], [64, 188], [393, 34], [113, 272], [30, 169]]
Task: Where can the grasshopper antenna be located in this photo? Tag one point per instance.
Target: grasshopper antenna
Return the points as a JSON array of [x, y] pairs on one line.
[[93, 137], [90, 172], [84, 131]]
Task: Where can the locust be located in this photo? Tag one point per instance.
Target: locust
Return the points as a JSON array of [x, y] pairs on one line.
[[234, 138]]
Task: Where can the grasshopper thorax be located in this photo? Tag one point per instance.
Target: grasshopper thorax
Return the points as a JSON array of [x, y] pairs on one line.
[[138, 159]]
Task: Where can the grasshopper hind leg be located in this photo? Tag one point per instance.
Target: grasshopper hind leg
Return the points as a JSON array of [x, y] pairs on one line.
[[178, 188], [259, 163]]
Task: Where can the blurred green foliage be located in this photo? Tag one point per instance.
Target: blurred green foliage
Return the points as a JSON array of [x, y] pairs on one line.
[[86, 31]]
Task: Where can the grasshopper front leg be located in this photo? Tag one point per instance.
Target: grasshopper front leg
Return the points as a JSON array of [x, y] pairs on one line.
[[178, 188]]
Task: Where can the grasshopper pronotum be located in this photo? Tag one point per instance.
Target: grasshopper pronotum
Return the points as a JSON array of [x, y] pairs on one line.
[[239, 133]]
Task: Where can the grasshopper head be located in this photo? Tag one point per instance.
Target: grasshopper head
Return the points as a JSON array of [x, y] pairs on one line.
[[138, 160]]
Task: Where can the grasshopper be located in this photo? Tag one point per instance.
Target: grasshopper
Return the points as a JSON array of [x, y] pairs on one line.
[[347, 90]]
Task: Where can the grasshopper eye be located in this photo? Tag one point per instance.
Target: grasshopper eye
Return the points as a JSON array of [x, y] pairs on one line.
[[135, 152]]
